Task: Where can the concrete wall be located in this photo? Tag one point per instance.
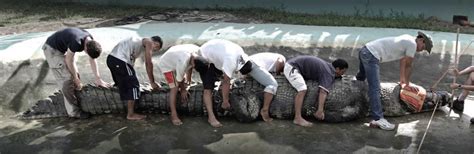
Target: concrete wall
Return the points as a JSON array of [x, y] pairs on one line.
[[442, 9]]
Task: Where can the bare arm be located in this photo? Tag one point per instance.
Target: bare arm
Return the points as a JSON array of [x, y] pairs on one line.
[[466, 70], [189, 74], [225, 88], [98, 80], [321, 101], [463, 87], [71, 66], [148, 63], [183, 85], [183, 91], [467, 87], [405, 70], [94, 68]]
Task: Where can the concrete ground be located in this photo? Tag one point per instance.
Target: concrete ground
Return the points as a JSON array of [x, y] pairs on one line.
[[449, 133], [25, 78]]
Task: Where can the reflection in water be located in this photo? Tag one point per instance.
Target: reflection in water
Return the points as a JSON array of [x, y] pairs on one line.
[[247, 142]]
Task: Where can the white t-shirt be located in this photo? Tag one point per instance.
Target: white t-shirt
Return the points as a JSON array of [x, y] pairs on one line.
[[392, 48], [267, 60], [128, 50], [225, 55], [177, 59]]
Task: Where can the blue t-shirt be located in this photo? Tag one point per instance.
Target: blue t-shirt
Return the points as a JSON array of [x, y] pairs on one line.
[[69, 38], [316, 69]]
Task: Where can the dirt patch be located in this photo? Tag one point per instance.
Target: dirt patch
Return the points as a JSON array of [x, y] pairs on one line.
[[39, 16], [448, 25], [42, 24]]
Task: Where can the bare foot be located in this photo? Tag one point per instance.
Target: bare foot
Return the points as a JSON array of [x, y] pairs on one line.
[[318, 115], [265, 116], [135, 116], [215, 123], [302, 122], [176, 121], [225, 106]]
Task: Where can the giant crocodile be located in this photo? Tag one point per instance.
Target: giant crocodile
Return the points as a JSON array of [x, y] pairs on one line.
[[346, 101]]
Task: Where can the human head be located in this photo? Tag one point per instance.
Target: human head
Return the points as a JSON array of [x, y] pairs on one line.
[[158, 42], [423, 42], [93, 49], [279, 65], [340, 65]]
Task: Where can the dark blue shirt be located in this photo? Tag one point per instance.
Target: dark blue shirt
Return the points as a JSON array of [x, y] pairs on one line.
[[314, 68], [69, 38]]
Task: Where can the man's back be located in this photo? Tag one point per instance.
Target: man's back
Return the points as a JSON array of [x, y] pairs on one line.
[[68, 38], [224, 54], [314, 68], [128, 50], [177, 59], [267, 60], [392, 48]]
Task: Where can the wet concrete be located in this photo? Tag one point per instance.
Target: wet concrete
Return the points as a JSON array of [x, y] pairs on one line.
[[449, 133]]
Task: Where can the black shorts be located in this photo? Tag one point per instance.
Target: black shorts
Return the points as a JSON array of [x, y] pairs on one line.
[[125, 78], [209, 76]]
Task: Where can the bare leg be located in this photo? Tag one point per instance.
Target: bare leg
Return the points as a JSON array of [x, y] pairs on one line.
[[211, 118], [174, 114], [299, 120], [267, 99], [131, 115]]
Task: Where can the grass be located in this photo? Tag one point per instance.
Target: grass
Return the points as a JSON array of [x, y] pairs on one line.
[[331, 19], [18, 12]]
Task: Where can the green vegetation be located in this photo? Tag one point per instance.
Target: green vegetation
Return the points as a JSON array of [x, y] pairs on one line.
[[331, 19], [18, 12]]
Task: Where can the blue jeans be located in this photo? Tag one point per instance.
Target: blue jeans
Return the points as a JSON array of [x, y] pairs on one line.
[[369, 68], [264, 78]]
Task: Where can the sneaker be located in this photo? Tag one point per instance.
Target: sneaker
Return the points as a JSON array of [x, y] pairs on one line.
[[458, 105], [382, 124], [82, 115]]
